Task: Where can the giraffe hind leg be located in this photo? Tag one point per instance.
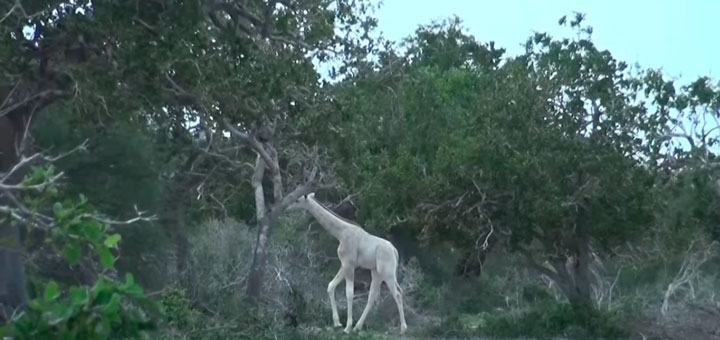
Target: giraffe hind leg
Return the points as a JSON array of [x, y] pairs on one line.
[[387, 269]]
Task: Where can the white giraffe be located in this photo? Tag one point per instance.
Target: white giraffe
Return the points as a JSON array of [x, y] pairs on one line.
[[357, 248]]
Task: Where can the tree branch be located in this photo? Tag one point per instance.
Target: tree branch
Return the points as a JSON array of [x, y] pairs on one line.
[[280, 207], [140, 217], [253, 143], [303, 189], [39, 186], [542, 270], [680, 135], [46, 94]]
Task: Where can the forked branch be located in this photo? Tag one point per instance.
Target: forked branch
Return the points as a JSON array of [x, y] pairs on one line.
[[689, 270]]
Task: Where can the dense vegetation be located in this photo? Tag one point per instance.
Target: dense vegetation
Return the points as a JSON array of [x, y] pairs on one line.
[[149, 151]]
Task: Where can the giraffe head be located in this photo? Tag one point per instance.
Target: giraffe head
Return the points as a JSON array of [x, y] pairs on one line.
[[302, 201], [305, 198]]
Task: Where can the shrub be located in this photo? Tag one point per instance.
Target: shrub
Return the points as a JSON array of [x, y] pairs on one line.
[[108, 308], [554, 319]]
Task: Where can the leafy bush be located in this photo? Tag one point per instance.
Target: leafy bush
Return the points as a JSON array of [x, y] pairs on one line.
[[79, 312], [554, 319], [108, 308]]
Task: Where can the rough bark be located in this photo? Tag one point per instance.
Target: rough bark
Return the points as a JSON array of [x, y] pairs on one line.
[[175, 228], [472, 263], [266, 215], [571, 272], [257, 268], [174, 218], [580, 246], [13, 290]]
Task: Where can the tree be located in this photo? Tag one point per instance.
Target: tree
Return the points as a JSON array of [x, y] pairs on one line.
[[178, 69], [75, 231], [544, 151]]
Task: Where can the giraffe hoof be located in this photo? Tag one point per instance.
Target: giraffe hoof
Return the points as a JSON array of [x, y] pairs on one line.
[[346, 330]]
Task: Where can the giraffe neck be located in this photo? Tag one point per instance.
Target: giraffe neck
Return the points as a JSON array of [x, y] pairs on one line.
[[333, 224]]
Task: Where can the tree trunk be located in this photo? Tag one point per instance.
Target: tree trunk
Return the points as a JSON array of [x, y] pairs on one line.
[[13, 290], [259, 262], [174, 225], [257, 268], [573, 280], [174, 218], [267, 157], [582, 281], [576, 278], [580, 247]]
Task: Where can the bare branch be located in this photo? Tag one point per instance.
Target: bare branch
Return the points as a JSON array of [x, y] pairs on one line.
[[140, 217], [253, 143], [281, 206], [689, 269], [46, 94], [10, 12], [24, 161], [23, 214], [541, 269], [679, 135], [39, 186]]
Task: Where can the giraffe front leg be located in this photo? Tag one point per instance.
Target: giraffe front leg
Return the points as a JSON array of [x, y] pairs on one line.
[[349, 291], [331, 292]]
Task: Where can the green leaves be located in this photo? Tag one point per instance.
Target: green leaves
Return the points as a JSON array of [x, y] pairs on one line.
[[77, 226], [83, 313], [80, 312], [79, 296], [52, 291], [73, 253], [106, 258], [453, 140], [112, 240], [59, 211]]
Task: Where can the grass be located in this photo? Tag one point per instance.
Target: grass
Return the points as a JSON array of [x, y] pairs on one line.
[[507, 302]]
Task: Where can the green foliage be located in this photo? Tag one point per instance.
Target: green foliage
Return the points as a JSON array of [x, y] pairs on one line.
[[547, 320], [178, 312], [550, 320], [78, 312], [547, 146], [77, 228], [450, 135], [108, 308]]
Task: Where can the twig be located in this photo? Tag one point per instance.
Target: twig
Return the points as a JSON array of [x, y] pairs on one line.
[[45, 93], [139, 217], [612, 287], [688, 270], [10, 12], [39, 186]]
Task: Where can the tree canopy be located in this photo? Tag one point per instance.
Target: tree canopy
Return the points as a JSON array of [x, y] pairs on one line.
[[191, 111]]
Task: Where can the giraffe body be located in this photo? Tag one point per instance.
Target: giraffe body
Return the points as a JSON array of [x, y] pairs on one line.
[[357, 248]]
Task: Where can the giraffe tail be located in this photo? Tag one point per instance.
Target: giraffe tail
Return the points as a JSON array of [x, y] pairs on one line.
[[397, 261]]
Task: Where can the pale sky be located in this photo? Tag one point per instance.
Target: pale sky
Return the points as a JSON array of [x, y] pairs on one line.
[[679, 36]]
